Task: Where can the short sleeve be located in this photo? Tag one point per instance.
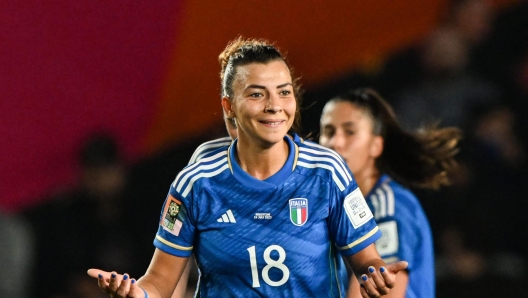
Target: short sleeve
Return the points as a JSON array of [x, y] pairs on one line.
[[351, 221], [175, 231]]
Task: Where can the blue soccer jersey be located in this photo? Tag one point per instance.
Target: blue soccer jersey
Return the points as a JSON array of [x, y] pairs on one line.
[[279, 237], [406, 234]]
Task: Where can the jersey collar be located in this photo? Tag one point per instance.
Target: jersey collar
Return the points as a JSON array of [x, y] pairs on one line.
[[271, 182]]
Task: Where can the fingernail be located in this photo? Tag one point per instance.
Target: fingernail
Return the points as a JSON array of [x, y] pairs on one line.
[[364, 277], [113, 275], [371, 269], [100, 275], [133, 281], [382, 269], [125, 277]]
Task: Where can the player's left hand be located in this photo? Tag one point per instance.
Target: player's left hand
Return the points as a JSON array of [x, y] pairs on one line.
[[378, 283]]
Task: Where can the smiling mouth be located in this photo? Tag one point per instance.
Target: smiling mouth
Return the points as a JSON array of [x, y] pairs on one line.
[[272, 123]]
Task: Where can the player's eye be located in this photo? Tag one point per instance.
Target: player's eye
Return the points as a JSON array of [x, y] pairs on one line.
[[328, 132]]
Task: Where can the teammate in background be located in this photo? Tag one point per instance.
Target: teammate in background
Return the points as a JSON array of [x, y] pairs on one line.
[[361, 126], [266, 216]]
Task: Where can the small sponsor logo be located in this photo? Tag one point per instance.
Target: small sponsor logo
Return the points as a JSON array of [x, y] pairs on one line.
[[227, 217]]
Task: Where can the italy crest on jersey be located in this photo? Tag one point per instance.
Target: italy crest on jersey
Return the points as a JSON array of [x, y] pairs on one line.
[[298, 211]]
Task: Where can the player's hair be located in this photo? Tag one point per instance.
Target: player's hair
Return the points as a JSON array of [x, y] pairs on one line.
[[420, 159], [240, 52]]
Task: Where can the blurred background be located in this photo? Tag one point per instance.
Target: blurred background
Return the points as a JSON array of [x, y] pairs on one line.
[[103, 103]]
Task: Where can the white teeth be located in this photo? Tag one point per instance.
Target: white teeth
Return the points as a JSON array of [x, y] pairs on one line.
[[273, 123]]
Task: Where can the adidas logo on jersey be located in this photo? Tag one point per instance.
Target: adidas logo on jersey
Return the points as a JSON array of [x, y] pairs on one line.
[[227, 217]]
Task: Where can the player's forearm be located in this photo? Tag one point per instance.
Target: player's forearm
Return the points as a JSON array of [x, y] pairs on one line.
[[155, 287], [362, 260], [163, 275], [181, 287]]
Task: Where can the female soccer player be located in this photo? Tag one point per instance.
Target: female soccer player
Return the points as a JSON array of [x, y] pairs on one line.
[[361, 126], [200, 152], [266, 216]]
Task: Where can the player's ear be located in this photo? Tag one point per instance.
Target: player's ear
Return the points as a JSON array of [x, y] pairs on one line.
[[376, 148], [227, 107]]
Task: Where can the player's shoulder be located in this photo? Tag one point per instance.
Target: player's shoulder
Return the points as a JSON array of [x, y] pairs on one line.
[[313, 152], [208, 147], [210, 165], [393, 198], [325, 161]]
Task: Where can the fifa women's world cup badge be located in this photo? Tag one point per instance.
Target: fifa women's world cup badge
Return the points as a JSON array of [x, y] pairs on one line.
[[170, 217], [298, 211], [173, 216]]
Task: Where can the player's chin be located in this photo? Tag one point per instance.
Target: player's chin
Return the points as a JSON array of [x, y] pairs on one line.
[[271, 140]]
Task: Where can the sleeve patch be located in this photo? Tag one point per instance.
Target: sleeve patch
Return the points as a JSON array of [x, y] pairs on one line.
[[388, 243], [357, 209], [173, 216]]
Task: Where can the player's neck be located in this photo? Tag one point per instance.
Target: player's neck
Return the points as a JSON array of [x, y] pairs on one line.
[[262, 163], [366, 179]]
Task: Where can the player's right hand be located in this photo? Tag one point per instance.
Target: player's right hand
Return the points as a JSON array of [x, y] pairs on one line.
[[379, 284], [117, 285]]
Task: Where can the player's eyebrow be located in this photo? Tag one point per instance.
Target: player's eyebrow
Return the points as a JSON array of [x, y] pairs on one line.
[[263, 87], [284, 85]]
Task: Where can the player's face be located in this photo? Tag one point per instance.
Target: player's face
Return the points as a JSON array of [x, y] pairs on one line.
[[263, 103], [348, 130]]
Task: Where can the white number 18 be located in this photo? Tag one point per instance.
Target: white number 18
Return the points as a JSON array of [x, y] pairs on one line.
[[279, 264]]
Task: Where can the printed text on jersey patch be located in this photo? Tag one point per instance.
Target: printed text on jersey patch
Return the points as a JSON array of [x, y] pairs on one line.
[[357, 209]]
